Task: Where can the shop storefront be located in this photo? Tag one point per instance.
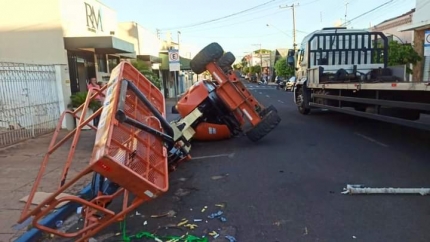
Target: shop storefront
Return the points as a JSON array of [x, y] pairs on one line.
[[93, 49], [421, 40]]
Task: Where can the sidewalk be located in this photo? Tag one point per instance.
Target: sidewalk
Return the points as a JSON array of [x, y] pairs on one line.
[[20, 165]]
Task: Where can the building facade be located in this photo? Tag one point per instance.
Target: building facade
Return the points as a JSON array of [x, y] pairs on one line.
[[81, 34], [421, 27], [390, 27], [77, 40]]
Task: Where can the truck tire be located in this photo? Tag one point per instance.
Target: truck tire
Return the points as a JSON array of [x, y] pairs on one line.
[[265, 111], [226, 61], [210, 53], [267, 124], [301, 103]]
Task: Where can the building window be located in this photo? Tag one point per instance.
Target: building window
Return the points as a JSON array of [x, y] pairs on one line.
[[102, 63], [113, 61]]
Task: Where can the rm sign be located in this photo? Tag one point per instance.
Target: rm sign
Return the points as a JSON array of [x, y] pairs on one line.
[[94, 18], [174, 64]]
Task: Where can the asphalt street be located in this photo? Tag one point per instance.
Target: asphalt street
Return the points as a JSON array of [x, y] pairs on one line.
[[287, 187]]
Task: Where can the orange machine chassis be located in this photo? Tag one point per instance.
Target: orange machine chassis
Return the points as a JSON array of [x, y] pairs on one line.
[[235, 95], [133, 157]]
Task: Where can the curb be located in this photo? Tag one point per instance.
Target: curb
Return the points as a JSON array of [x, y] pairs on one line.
[[61, 214]]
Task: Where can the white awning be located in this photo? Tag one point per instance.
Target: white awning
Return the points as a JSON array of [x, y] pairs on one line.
[[416, 26]]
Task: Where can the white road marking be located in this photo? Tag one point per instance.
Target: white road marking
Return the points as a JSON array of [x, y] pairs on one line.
[[267, 96], [280, 101], [231, 155], [371, 139]]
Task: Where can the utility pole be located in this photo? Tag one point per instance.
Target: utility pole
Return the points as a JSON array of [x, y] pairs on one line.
[[293, 7], [261, 58], [158, 33], [346, 12]]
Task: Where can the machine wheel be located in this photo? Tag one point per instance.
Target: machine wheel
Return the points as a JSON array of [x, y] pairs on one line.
[[226, 61], [301, 103], [210, 53], [267, 124], [267, 110]]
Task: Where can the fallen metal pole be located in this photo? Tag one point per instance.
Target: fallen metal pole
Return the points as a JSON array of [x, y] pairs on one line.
[[360, 189]]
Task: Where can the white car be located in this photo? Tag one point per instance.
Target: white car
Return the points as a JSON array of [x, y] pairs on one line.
[[289, 86]]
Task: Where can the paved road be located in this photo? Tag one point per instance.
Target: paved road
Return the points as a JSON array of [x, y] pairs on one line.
[[287, 186]]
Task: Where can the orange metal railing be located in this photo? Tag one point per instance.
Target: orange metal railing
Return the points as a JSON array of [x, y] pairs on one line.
[[131, 157]]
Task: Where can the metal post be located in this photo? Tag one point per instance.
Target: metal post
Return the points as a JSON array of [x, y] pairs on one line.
[[27, 94], [176, 86]]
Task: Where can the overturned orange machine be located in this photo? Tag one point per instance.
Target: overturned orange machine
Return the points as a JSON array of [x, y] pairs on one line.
[[135, 145]]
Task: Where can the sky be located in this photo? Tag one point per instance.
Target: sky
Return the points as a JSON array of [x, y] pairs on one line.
[[240, 26]]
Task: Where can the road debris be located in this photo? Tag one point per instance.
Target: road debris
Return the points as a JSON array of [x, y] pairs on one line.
[[191, 226], [169, 214], [79, 210], [222, 219], [221, 205], [59, 223], [230, 238], [360, 189], [145, 223], [306, 231], [214, 234], [219, 176], [198, 220], [204, 209], [215, 215], [137, 213], [354, 237], [182, 192], [182, 223]]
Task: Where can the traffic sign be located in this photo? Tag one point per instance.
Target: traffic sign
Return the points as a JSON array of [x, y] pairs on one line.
[[174, 61]]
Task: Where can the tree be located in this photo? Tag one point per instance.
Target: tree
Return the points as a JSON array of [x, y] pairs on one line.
[[282, 69], [402, 54], [255, 69], [246, 70], [237, 66], [144, 68]]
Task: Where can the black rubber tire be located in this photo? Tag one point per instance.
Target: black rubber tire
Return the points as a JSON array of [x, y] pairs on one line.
[[226, 61], [267, 124], [265, 111], [211, 52], [301, 108]]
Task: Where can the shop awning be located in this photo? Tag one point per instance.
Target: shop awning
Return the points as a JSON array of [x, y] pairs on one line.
[[416, 26], [150, 58], [101, 44]]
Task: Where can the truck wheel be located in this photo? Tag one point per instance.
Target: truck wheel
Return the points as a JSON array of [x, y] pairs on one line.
[[301, 103], [211, 52], [226, 61], [267, 124], [267, 110]]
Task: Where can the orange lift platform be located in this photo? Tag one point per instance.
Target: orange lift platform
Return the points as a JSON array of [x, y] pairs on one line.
[[129, 154]]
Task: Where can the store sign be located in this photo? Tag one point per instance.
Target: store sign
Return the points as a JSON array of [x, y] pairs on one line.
[[94, 18]]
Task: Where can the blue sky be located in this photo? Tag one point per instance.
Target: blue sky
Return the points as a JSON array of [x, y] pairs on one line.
[[240, 33]]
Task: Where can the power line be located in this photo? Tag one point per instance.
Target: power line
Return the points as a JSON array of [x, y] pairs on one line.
[[220, 18], [231, 24], [367, 12]]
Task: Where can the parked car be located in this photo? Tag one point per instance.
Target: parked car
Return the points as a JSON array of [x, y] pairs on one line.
[[289, 85]]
